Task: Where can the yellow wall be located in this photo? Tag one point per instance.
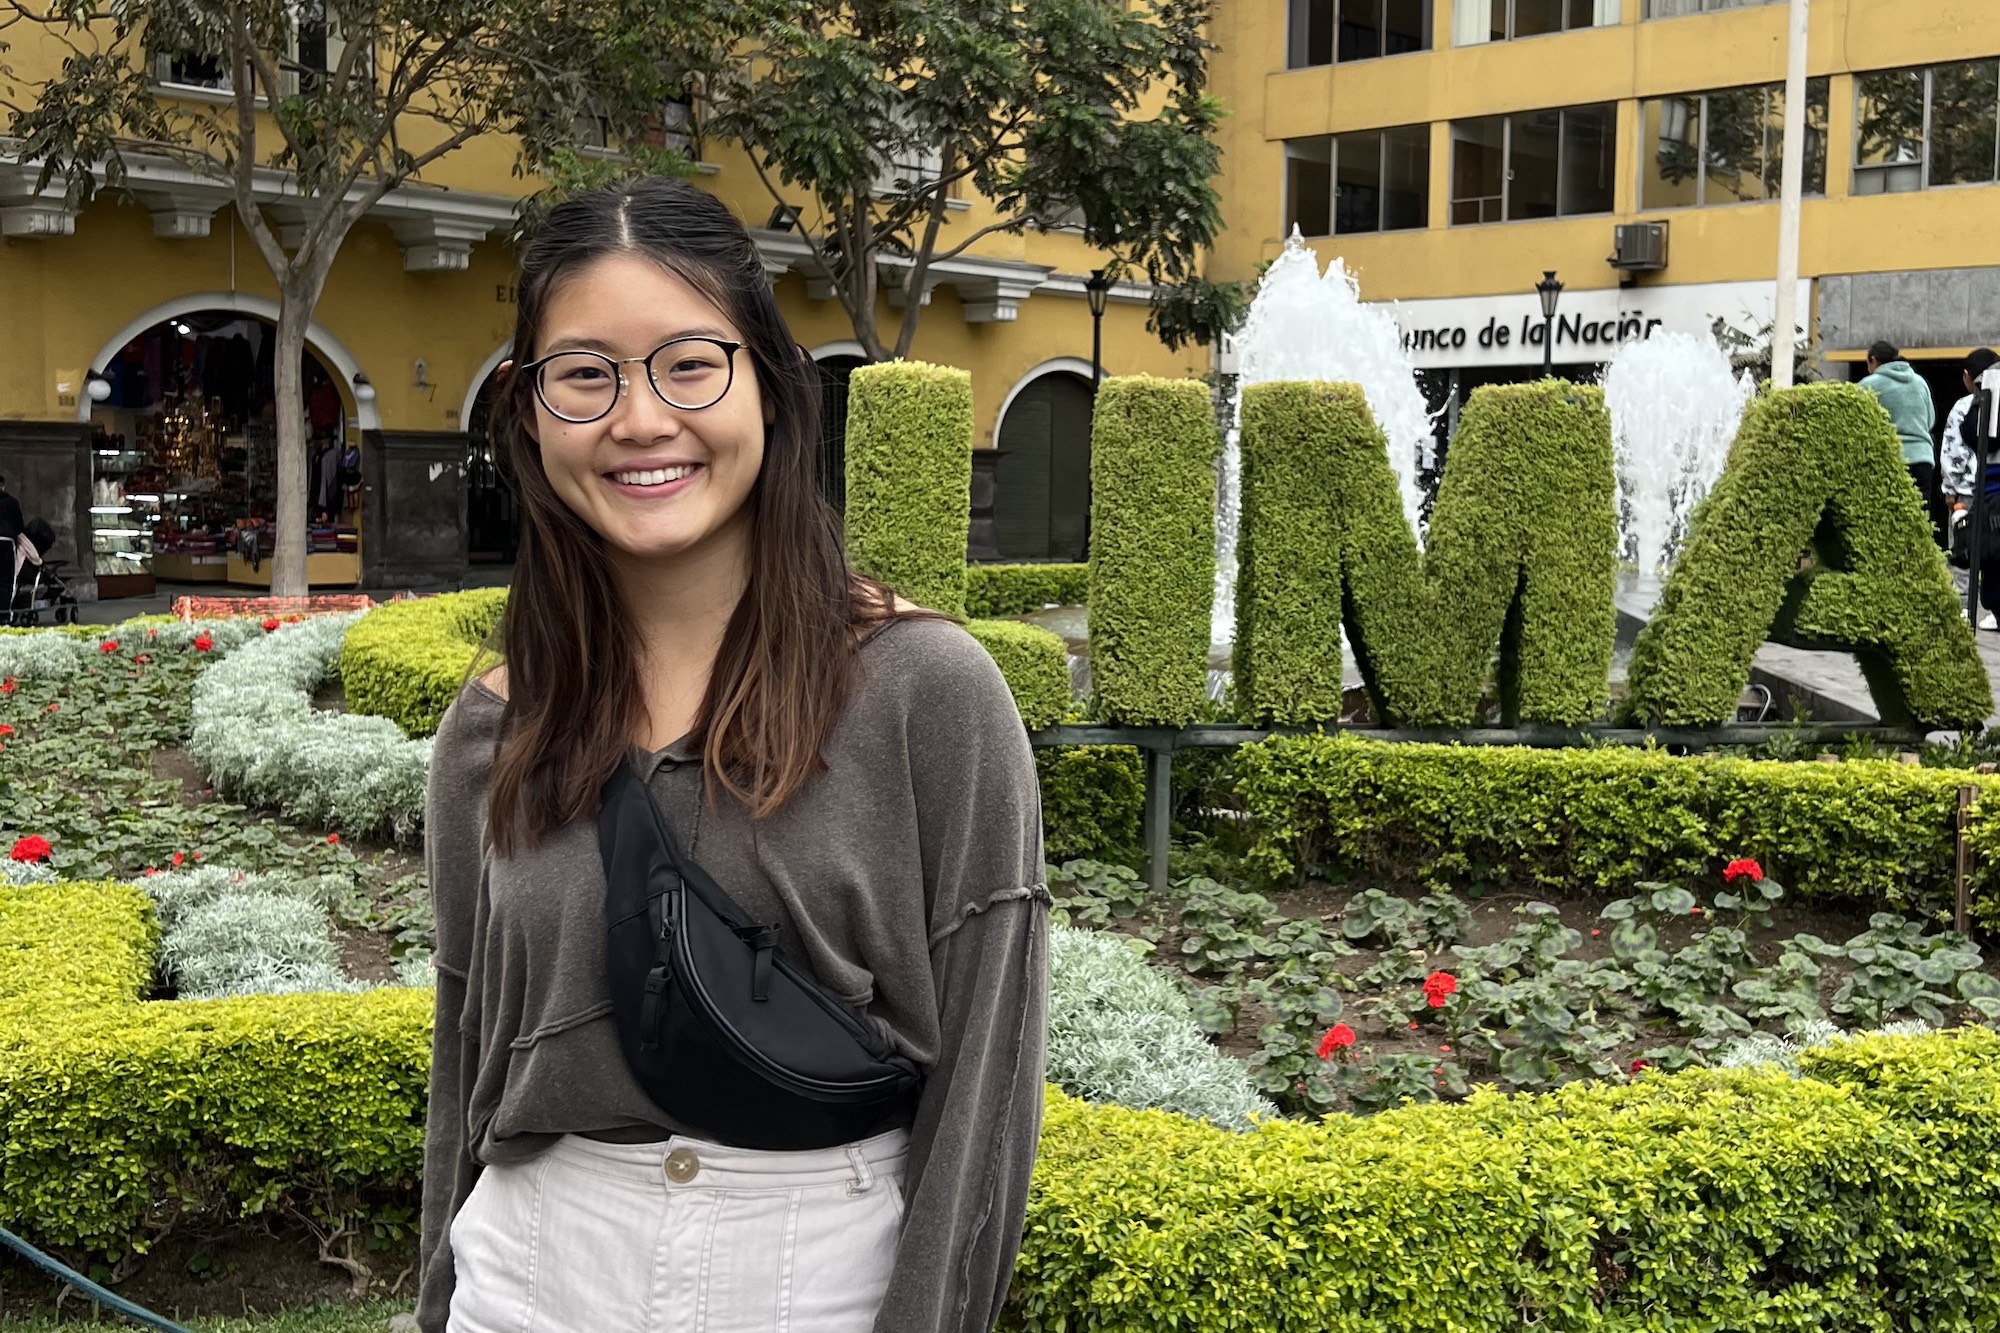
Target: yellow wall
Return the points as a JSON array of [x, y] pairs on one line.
[[63, 298], [1945, 228]]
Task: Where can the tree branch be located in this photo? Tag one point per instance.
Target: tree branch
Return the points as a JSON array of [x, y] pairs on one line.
[[244, 185]]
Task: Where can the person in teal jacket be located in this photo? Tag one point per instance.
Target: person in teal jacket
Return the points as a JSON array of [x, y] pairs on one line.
[[1907, 399]]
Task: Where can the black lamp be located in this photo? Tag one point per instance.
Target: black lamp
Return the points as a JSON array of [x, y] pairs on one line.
[[1550, 291], [1097, 287]]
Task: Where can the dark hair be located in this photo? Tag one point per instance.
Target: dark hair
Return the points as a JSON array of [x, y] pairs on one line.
[[1981, 360], [786, 662], [1882, 352]]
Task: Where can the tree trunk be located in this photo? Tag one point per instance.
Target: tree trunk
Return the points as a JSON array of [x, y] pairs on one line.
[[288, 547]]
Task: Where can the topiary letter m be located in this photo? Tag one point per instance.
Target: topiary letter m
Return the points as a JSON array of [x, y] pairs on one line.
[[1814, 470]]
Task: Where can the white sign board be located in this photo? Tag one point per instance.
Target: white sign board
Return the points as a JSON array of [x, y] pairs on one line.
[[1589, 325]]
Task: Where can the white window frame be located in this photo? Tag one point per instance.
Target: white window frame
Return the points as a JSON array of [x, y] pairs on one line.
[[1647, 146], [1471, 21], [1882, 170], [1506, 120]]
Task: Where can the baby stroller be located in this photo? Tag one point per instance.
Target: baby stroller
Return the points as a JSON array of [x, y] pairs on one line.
[[35, 584]]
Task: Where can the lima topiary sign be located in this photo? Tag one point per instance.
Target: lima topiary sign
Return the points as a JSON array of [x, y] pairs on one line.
[[1523, 554]]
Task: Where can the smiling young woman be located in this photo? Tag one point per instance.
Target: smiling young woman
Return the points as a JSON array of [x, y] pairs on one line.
[[845, 767]]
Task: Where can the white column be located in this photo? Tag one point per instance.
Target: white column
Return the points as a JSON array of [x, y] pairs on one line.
[[1784, 308]]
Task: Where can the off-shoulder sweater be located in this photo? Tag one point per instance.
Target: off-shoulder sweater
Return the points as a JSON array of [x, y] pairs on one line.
[[905, 878]]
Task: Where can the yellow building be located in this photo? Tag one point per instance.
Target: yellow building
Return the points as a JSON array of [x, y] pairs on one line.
[[1451, 151], [129, 297]]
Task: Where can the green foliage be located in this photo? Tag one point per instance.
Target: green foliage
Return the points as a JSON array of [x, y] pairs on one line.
[[1855, 1197], [407, 660], [1092, 799], [1063, 112], [909, 479], [226, 1108], [1871, 832], [1814, 468], [1522, 554], [1035, 664], [1152, 556], [1012, 590]]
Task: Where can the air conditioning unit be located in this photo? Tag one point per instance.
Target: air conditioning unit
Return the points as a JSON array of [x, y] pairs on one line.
[[1639, 246]]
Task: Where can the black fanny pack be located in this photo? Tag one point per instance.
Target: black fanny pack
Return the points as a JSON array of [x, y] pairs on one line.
[[719, 1029]]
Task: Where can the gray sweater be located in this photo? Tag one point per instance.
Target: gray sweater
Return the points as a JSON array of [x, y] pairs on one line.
[[907, 879]]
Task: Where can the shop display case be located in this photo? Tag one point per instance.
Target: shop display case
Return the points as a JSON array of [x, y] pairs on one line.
[[122, 518]]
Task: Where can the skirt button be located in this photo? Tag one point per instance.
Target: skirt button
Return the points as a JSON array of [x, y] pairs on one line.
[[682, 1165]]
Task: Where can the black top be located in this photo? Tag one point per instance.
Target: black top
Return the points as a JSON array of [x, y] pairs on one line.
[[10, 516]]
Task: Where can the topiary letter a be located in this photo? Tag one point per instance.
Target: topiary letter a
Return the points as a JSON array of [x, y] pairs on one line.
[[1814, 469]]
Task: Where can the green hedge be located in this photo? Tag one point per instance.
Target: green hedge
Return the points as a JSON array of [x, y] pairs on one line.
[[1871, 831], [1013, 590], [111, 1108], [1035, 664], [1856, 1198], [909, 479], [1814, 467], [1092, 800], [1152, 555], [1522, 555], [407, 660]]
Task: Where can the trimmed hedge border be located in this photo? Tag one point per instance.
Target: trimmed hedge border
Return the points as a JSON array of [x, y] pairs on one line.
[[1152, 557], [909, 479], [1870, 831], [1523, 555], [1882, 589], [407, 660], [1015, 590], [1854, 1197]]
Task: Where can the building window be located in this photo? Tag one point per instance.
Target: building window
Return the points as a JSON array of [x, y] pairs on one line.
[[1476, 21], [314, 49], [1323, 31], [1534, 164], [1351, 184], [1725, 147], [1919, 128], [1667, 9]]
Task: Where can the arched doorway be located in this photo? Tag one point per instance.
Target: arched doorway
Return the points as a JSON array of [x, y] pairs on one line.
[[1042, 505], [183, 455], [492, 517], [836, 362]]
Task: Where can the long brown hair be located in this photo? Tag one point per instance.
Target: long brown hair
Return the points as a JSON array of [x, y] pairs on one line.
[[786, 664]]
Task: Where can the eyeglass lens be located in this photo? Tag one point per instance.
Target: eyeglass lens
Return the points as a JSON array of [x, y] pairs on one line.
[[689, 374]]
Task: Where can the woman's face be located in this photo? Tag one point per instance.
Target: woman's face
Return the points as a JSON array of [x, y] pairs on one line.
[[656, 482]]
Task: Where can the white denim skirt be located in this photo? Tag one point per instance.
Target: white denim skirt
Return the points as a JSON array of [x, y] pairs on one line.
[[679, 1237]]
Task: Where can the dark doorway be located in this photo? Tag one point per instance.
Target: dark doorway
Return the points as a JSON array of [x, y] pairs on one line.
[[833, 373], [492, 519], [1042, 509]]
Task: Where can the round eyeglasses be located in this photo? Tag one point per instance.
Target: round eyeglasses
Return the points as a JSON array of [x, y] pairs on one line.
[[687, 373]]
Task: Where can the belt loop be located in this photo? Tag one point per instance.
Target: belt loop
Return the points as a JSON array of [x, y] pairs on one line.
[[864, 1178]]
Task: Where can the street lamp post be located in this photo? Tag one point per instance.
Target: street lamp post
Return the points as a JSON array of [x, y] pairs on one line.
[[1097, 287], [1550, 291]]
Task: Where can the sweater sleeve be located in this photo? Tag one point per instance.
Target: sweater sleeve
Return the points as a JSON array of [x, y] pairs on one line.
[[978, 1121], [453, 833]]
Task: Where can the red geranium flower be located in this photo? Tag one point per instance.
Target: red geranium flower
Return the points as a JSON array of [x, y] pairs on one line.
[[34, 847], [1638, 1065], [271, 624], [333, 839], [108, 646], [142, 659], [1438, 987], [53, 707], [1740, 867], [8, 686], [202, 643], [1338, 1038], [5, 730], [178, 858]]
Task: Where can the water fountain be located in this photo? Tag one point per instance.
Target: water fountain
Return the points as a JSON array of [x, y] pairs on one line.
[[1305, 325], [1675, 403]]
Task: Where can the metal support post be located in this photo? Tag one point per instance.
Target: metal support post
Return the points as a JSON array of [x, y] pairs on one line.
[[1159, 814]]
